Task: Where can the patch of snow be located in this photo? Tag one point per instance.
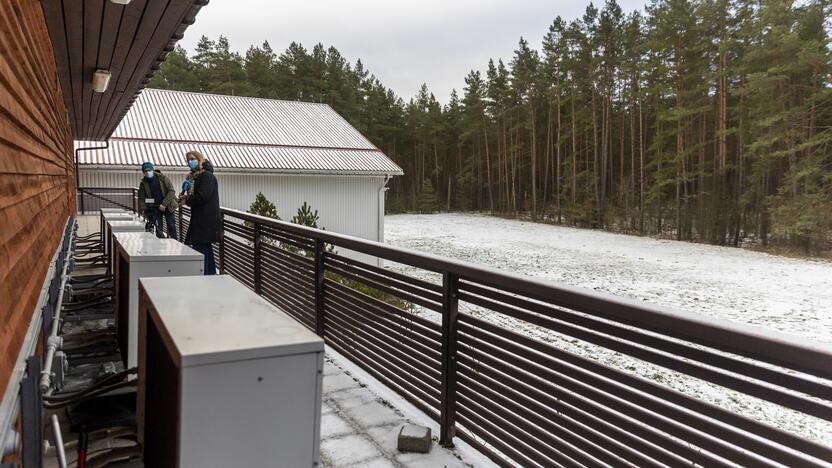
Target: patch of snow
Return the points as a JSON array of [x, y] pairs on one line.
[[784, 294]]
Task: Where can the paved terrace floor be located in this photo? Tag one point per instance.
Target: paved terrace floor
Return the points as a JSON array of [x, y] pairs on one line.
[[361, 418]]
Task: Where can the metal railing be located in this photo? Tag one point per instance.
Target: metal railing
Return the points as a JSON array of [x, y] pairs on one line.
[[516, 396], [92, 199]]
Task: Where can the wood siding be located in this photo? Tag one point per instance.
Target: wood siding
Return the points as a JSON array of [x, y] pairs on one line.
[[36, 169]]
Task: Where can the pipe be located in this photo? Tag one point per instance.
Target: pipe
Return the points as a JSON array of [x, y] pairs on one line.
[[53, 342], [380, 214], [78, 150], [59, 441]]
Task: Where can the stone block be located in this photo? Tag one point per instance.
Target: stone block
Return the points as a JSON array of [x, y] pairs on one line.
[[413, 438]]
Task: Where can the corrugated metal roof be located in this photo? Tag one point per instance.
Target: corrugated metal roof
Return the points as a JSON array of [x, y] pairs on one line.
[[131, 153], [238, 133]]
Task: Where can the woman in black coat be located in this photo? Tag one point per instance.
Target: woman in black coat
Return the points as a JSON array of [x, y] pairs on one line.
[[204, 200]]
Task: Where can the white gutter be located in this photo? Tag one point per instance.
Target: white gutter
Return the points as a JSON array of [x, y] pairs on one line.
[[247, 171]]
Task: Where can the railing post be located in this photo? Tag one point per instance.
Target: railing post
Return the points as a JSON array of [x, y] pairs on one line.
[[450, 310], [82, 201], [320, 251], [222, 244], [257, 249], [179, 224]]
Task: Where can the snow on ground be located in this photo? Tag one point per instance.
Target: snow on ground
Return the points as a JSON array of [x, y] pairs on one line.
[[785, 294]]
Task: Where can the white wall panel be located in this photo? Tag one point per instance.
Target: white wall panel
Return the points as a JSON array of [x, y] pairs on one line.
[[346, 204]]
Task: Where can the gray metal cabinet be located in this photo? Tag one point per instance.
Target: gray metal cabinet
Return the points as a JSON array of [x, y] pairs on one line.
[[225, 378]]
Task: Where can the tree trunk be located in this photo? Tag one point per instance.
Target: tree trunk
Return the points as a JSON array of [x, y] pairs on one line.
[[557, 151], [487, 164]]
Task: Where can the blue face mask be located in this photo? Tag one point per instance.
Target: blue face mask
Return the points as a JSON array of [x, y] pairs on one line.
[[149, 175], [192, 163]]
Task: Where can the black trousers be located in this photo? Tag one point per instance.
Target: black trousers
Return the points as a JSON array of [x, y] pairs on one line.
[[169, 218], [210, 266]]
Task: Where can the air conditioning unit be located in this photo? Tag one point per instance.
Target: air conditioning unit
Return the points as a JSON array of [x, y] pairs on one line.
[[102, 211], [225, 378], [117, 226], [137, 256], [111, 216]]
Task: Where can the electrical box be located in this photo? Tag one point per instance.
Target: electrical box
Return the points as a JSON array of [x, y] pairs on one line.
[[225, 378], [140, 257]]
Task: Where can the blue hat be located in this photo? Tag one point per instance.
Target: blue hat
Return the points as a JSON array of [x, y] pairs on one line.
[[147, 166]]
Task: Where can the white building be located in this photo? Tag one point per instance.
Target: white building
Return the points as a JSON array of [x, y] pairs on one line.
[[293, 152]]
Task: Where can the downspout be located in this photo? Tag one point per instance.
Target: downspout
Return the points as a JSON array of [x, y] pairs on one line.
[[77, 179], [380, 217], [78, 150]]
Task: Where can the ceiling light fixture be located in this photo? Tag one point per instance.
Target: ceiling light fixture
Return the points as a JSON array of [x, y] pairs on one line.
[[121, 2], [100, 80]]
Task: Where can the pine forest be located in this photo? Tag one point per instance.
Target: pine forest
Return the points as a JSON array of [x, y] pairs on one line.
[[701, 120]]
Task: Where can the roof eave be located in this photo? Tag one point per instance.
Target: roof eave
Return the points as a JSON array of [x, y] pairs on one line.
[[122, 168]]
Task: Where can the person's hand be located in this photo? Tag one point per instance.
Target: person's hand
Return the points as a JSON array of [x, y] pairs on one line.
[[186, 185], [162, 208]]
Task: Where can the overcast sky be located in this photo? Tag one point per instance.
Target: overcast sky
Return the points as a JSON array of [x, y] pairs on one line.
[[403, 42]]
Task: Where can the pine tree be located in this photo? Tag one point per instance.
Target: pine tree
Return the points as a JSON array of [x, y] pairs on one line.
[[263, 207], [306, 217], [178, 73], [426, 200], [704, 119], [259, 70]]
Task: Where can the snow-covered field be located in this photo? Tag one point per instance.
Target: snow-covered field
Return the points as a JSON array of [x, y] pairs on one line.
[[779, 293]]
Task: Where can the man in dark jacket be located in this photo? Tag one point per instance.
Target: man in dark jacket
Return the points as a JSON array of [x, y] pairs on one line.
[[157, 200], [204, 199]]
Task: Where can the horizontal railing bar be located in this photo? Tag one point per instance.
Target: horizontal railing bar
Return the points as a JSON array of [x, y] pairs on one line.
[[302, 240], [239, 263], [380, 287], [243, 270], [430, 330], [668, 421], [719, 377], [653, 444], [402, 329], [246, 251], [383, 271], [286, 274], [553, 421], [337, 344], [275, 274], [385, 280], [676, 421], [302, 262], [422, 380], [491, 451], [386, 369], [527, 455], [283, 240], [672, 396], [296, 301], [238, 229], [411, 355], [768, 346], [794, 382], [552, 444]]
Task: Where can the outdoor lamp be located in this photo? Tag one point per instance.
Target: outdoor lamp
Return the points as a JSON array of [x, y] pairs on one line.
[[100, 80]]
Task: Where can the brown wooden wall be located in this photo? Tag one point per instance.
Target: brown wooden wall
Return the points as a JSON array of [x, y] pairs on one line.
[[36, 169]]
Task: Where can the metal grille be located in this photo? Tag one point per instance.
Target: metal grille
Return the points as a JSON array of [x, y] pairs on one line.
[[520, 397], [92, 199]]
